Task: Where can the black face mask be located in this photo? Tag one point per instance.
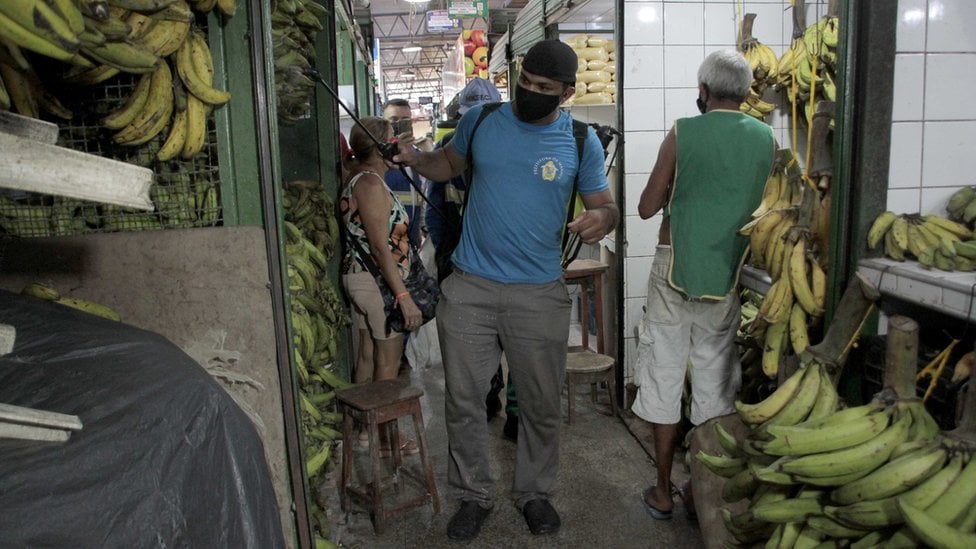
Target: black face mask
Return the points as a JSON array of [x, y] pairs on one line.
[[702, 103], [533, 105]]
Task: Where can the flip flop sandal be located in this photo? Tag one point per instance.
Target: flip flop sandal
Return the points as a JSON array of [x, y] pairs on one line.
[[651, 510]]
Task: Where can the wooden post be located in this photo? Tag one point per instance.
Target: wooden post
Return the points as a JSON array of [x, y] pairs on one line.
[[901, 356], [845, 328]]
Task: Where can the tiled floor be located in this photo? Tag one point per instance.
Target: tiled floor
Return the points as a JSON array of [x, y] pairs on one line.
[[604, 467]]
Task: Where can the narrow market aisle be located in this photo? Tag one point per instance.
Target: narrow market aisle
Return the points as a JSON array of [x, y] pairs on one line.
[[603, 469]]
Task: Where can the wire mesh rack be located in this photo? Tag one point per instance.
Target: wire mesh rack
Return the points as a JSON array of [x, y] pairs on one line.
[[185, 193]]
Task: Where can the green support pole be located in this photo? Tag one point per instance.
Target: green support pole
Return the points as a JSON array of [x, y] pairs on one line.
[[240, 187], [862, 150]]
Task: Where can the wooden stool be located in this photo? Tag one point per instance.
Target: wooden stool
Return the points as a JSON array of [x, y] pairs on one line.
[[585, 366], [373, 405]]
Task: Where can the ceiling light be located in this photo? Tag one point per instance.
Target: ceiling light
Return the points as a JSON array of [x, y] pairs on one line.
[[417, 1], [411, 49]]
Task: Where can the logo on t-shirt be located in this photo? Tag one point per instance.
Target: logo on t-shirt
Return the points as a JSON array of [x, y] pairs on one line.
[[548, 168]]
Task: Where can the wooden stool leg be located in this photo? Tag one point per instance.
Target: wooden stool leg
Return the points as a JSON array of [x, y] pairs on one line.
[[347, 438], [393, 435], [379, 511], [418, 424]]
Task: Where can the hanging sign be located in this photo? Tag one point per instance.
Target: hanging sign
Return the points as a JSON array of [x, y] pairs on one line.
[[440, 21], [467, 8]]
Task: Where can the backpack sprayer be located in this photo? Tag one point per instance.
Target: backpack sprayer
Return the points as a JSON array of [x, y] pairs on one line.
[[387, 149]]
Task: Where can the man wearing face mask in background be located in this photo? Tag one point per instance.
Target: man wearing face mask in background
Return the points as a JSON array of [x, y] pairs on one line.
[[507, 289], [397, 111], [709, 177]]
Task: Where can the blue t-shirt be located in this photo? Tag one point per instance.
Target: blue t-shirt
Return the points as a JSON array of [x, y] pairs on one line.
[[523, 178]]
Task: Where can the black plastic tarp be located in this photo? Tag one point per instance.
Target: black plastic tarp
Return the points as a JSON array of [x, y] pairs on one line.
[[165, 457]]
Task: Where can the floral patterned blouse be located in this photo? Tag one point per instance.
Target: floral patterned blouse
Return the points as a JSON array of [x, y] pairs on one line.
[[398, 238]]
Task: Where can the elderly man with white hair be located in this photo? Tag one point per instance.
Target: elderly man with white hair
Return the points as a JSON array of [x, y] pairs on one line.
[[709, 176]]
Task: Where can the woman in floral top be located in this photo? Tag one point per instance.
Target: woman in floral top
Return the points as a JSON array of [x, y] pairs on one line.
[[375, 220]]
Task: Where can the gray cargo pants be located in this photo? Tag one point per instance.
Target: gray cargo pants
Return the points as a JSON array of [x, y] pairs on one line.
[[476, 318]]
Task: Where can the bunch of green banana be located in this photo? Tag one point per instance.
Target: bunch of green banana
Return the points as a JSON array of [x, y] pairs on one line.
[[45, 292], [962, 205], [317, 314], [840, 473], [184, 202], [294, 26], [48, 27], [932, 240], [312, 210]]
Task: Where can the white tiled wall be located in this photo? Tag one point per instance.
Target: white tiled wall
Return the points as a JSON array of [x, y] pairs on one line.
[[664, 42], [933, 130], [934, 116]]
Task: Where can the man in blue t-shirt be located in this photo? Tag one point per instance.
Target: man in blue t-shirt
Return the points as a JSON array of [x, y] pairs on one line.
[[507, 289], [397, 111]]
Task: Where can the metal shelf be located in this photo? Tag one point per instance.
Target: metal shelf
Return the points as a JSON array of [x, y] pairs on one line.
[[755, 279]]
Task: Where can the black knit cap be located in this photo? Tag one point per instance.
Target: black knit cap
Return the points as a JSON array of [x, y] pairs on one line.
[[552, 59]]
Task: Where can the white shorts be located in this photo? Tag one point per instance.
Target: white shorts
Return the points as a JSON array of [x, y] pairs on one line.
[[679, 337]]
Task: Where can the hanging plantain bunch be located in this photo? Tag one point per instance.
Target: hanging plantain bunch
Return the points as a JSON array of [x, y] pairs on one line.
[[294, 26]]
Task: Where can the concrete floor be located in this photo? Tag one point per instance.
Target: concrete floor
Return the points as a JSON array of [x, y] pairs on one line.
[[604, 466]]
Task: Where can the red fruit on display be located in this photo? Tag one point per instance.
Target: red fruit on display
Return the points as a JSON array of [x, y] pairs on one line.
[[480, 57], [469, 48], [479, 38]]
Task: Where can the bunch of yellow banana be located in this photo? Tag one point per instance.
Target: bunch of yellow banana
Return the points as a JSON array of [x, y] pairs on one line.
[[48, 293], [294, 26], [755, 106], [806, 71], [932, 240], [147, 111], [21, 88], [227, 7], [815, 472], [762, 60], [962, 205], [188, 131]]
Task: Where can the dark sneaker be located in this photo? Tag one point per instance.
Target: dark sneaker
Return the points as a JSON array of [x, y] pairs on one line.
[[466, 522], [510, 431], [541, 517]]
